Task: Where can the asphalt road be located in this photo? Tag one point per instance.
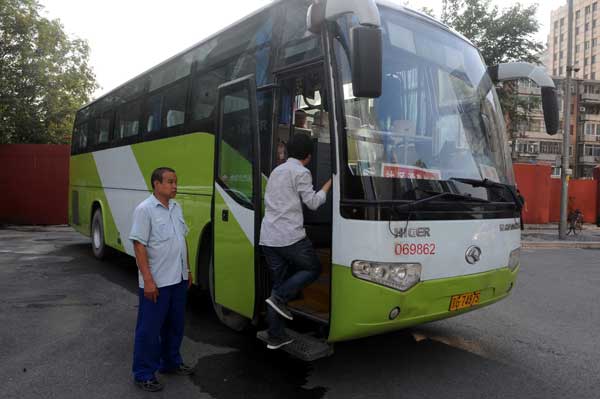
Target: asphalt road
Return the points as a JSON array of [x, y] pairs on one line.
[[67, 321]]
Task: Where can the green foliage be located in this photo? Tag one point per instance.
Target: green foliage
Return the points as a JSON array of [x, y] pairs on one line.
[[501, 36], [44, 76], [424, 9], [517, 108]]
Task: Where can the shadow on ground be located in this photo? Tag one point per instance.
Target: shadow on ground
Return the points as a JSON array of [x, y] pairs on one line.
[[392, 365]]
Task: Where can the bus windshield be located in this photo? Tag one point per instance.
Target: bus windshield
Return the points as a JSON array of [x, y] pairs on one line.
[[438, 117]]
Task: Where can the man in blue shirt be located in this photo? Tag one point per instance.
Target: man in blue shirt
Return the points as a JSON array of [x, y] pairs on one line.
[[158, 234]]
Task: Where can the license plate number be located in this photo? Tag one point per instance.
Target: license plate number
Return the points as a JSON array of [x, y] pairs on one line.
[[463, 301]]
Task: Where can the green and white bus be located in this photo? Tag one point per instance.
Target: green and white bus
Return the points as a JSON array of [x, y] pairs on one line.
[[422, 222]]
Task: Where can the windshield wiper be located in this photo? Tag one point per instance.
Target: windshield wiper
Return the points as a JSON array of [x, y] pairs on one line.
[[435, 195], [487, 183]]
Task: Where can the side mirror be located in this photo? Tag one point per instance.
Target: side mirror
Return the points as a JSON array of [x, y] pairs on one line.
[[550, 107], [523, 70], [366, 61]]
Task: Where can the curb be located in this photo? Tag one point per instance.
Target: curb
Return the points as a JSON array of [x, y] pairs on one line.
[[560, 244]]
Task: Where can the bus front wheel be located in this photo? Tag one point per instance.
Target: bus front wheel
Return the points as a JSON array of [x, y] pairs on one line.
[[98, 243], [228, 317]]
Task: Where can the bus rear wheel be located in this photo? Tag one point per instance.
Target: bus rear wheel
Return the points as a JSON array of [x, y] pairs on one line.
[[228, 317], [98, 244]]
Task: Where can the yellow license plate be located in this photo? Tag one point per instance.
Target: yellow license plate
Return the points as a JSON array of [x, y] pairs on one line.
[[463, 301]]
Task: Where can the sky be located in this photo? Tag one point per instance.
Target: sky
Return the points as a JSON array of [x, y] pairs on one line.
[[128, 37]]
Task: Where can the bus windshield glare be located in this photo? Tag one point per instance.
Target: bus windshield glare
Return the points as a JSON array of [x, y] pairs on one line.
[[438, 116]]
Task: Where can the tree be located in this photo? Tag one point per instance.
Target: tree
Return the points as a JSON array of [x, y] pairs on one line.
[[44, 76], [424, 9], [501, 36]]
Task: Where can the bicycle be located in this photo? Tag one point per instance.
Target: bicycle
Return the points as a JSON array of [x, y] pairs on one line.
[[575, 220]]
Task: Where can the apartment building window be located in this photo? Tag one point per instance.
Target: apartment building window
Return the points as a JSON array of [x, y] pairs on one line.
[[585, 61], [555, 72], [587, 44], [528, 147], [587, 10], [592, 129], [535, 126], [550, 147], [585, 76], [577, 14], [587, 26], [591, 150], [594, 6], [593, 59], [560, 55], [593, 75], [562, 38], [555, 24], [577, 48], [560, 71], [594, 42], [593, 23], [576, 30]]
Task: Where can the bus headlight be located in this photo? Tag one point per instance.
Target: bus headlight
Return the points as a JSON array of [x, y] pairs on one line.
[[514, 259], [400, 276]]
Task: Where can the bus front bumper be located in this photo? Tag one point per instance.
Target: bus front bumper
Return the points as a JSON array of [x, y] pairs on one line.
[[360, 308]]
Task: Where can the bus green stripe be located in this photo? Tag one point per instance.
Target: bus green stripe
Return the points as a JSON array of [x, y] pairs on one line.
[[191, 156], [361, 308], [85, 179]]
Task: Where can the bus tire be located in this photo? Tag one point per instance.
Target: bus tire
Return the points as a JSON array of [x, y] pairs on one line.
[[98, 243], [231, 319]]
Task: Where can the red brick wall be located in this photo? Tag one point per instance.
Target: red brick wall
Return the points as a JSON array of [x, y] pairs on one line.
[[542, 195], [34, 182], [555, 194], [583, 196], [533, 182]]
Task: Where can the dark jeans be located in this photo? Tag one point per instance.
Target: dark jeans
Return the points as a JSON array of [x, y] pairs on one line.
[[292, 268], [159, 331]]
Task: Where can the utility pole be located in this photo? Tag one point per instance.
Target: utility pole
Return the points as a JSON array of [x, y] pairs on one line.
[[564, 169]]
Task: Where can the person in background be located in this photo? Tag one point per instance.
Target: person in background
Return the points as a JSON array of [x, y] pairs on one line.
[[300, 117], [522, 201]]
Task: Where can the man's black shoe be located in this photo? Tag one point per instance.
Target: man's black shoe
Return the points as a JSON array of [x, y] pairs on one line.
[[279, 307], [182, 369], [278, 342], [149, 385]]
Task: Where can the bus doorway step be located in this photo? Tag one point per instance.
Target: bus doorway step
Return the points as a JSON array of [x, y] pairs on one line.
[[304, 347]]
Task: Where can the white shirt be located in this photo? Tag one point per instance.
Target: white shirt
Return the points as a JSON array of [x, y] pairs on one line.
[[283, 223], [162, 231]]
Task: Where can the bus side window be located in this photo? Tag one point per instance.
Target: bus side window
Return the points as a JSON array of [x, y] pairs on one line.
[[127, 121], [204, 93], [174, 100], [152, 114], [80, 138], [103, 128]]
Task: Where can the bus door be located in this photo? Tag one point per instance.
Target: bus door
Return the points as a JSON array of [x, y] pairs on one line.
[[236, 217]]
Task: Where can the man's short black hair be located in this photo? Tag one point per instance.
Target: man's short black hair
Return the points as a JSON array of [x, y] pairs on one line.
[[300, 146], [157, 175]]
